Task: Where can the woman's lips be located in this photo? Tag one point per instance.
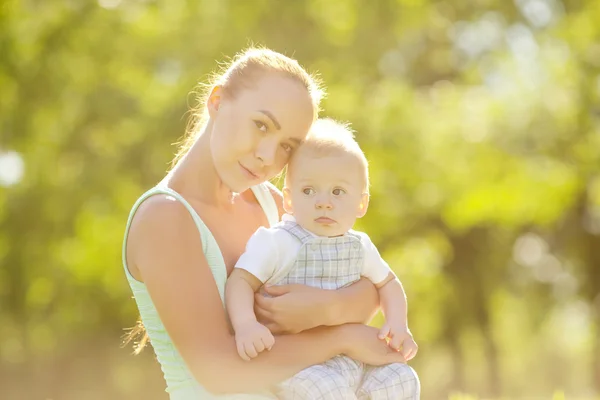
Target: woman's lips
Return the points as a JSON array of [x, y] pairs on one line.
[[249, 173]]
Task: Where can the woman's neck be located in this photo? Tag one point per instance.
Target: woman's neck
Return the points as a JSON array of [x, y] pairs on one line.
[[195, 175]]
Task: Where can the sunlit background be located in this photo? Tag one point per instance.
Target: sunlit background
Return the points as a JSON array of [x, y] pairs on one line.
[[481, 121]]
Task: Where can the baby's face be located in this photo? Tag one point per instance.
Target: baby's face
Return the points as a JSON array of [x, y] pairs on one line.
[[326, 194]]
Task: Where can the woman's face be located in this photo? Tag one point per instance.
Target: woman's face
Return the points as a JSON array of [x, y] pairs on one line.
[[255, 132]]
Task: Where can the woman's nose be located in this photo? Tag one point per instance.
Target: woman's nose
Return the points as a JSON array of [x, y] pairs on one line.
[[267, 151]]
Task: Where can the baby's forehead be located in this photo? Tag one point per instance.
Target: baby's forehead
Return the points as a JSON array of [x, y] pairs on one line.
[[304, 157], [335, 166]]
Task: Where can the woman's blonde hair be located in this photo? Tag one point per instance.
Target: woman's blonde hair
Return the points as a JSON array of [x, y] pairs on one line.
[[245, 69]]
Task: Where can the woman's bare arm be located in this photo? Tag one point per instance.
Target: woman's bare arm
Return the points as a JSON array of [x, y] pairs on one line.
[[356, 303], [166, 249]]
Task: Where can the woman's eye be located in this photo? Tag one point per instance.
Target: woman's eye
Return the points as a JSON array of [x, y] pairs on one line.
[[261, 126], [337, 192], [286, 147]]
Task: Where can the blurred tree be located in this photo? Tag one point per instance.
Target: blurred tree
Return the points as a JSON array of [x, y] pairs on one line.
[[480, 120]]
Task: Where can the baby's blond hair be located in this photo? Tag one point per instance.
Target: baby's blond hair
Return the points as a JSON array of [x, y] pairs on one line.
[[327, 138]]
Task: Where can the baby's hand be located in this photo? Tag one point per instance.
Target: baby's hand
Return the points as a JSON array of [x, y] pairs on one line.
[[252, 338], [399, 339]]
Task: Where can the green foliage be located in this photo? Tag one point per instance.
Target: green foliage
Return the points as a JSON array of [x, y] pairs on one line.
[[480, 121]]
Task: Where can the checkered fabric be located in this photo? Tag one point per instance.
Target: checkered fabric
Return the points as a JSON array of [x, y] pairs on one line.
[[393, 381], [323, 262], [333, 263]]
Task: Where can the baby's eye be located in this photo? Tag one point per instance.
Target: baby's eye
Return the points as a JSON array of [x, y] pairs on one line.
[[308, 191], [261, 125], [338, 191]]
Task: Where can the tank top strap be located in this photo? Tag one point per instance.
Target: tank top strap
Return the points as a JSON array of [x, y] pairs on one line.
[[267, 202]]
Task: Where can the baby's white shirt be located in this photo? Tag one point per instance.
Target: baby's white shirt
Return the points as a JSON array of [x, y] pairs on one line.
[[271, 252]]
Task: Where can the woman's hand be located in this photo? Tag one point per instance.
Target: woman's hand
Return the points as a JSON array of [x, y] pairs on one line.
[[293, 308], [362, 343]]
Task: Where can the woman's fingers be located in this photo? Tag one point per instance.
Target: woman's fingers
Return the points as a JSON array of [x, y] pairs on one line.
[[263, 302], [275, 328], [262, 309], [277, 290], [263, 315]]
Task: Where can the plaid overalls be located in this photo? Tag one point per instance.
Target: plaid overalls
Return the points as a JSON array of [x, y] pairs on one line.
[[333, 263]]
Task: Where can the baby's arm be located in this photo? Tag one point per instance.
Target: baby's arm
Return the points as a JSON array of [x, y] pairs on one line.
[[392, 301], [251, 270], [251, 337], [239, 296], [393, 305]]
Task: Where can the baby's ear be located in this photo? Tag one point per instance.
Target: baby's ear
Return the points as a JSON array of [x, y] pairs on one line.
[[364, 204], [287, 201]]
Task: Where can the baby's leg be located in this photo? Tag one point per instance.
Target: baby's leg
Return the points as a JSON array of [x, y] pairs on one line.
[[319, 382], [390, 382], [349, 368]]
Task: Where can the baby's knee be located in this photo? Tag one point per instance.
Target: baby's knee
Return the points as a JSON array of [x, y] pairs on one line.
[[408, 378], [393, 381]]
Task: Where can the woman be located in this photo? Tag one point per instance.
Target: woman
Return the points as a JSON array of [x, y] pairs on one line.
[[184, 236]]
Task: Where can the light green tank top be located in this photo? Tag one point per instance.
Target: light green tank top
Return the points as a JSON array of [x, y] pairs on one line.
[[181, 384]]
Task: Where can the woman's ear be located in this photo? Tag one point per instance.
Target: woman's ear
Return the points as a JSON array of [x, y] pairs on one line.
[[214, 101], [287, 201], [364, 204]]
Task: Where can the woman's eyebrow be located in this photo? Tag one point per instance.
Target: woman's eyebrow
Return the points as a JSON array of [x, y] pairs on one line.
[[272, 118]]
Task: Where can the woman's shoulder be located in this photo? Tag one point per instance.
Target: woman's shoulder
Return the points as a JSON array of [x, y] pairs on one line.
[[161, 210], [163, 224]]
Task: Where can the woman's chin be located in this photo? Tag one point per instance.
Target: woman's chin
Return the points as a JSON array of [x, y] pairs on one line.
[[237, 184], [237, 187]]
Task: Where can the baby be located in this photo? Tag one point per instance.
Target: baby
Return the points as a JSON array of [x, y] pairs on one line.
[[326, 190]]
